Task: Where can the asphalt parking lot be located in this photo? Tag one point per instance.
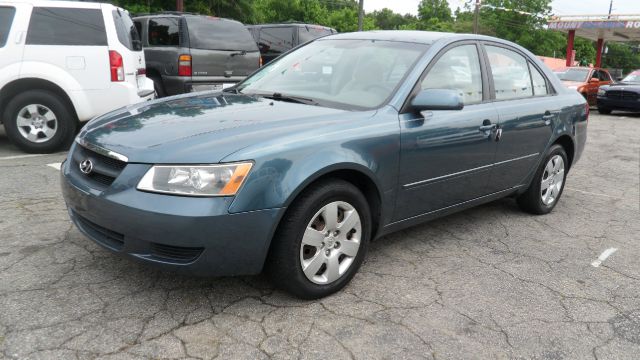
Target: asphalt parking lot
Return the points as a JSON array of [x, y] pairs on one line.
[[491, 282]]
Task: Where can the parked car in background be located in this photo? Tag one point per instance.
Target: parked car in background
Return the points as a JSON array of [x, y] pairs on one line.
[[64, 62], [622, 95], [301, 165], [189, 52], [275, 39], [585, 80]]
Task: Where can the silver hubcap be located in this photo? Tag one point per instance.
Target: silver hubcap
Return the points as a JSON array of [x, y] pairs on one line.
[[37, 123], [330, 242], [552, 180]]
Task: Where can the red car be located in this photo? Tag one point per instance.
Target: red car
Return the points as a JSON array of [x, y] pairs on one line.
[[585, 80]]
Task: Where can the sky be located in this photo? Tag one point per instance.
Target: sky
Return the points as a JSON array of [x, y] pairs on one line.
[[560, 7]]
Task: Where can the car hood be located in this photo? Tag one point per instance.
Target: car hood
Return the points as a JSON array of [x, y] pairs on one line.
[[628, 86], [201, 128], [568, 83]]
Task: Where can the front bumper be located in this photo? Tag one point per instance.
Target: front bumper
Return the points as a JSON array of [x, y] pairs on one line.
[[196, 236], [618, 104]]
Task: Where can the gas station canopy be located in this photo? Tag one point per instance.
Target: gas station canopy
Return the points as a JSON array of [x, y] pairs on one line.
[[600, 28]]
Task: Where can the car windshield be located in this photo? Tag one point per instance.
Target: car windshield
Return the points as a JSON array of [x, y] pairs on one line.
[[351, 74], [574, 75], [633, 77]]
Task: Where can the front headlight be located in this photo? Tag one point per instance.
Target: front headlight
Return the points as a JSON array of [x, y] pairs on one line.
[[195, 180], [601, 92]]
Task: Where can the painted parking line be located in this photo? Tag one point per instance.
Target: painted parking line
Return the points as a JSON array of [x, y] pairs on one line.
[[591, 193], [605, 254], [20, 156], [55, 165]]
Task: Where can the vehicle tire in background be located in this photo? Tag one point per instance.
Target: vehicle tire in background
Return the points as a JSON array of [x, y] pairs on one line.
[[604, 111], [321, 240], [548, 183], [39, 121], [158, 87]]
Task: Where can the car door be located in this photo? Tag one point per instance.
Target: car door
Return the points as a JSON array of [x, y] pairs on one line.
[[14, 20], [527, 109], [70, 39], [446, 155]]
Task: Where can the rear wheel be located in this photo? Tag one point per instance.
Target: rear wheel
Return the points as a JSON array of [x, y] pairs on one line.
[[322, 240], [39, 121], [548, 183], [158, 87], [604, 111]]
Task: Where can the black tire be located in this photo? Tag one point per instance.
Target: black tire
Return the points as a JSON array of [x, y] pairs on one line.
[[67, 122], [158, 86], [531, 201], [284, 265], [604, 111]]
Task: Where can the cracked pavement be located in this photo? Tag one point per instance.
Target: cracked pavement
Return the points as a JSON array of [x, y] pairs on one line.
[[490, 282]]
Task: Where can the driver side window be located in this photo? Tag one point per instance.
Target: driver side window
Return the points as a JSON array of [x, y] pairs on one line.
[[458, 69]]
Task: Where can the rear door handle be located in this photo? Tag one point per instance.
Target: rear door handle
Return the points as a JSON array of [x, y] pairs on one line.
[[548, 116], [489, 127]]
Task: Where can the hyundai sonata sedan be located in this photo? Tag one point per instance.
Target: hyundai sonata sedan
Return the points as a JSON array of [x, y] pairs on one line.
[[299, 167]]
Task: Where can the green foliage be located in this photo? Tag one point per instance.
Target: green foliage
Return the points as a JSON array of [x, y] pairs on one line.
[[434, 9], [622, 56]]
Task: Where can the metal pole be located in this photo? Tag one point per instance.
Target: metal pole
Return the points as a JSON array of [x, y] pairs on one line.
[[610, 7], [180, 5], [360, 14], [476, 16]]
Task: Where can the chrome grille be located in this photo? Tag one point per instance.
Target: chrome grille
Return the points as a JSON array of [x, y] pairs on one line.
[[105, 169]]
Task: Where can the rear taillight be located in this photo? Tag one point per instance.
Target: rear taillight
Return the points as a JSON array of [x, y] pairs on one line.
[[184, 65], [116, 65]]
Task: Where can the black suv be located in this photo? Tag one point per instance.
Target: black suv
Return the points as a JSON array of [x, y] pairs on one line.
[[275, 39], [190, 52]]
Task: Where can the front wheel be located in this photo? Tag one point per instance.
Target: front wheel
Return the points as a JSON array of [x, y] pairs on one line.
[[547, 184], [321, 241], [39, 121]]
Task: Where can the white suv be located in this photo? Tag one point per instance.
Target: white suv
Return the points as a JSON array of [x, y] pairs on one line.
[[64, 62]]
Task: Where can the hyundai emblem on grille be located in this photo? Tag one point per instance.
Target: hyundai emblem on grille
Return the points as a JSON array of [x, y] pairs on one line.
[[86, 167]]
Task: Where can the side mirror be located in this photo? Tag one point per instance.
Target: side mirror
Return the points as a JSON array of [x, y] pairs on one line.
[[437, 99]]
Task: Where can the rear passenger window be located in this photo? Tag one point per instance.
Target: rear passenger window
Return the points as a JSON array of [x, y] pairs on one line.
[[458, 69], [539, 82], [164, 32], [6, 19], [128, 34], [510, 73], [66, 26], [276, 40]]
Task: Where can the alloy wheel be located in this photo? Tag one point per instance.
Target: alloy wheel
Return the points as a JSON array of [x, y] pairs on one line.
[[37, 123], [552, 179], [330, 242]]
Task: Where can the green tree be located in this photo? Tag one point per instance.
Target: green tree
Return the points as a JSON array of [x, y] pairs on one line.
[[438, 9]]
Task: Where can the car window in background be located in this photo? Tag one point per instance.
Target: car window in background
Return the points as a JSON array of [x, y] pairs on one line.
[[347, 74], [6, 19], [603, 76], [164, 32], [128, 35], [510, 72], [458, 69], [138, 26], [66, 26], [308, 33], [276, 40], [211, 33], [539, 82], [574, 75]]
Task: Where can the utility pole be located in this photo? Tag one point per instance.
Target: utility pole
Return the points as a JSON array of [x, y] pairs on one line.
[[180, 5], [360, 14], [476, 15], [610, 7]]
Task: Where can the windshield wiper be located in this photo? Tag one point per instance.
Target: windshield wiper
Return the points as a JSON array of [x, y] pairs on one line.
[[290, 98]]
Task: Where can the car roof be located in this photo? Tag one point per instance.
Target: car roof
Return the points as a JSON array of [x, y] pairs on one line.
[[296, 24], [61, 4], [414, 36]]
